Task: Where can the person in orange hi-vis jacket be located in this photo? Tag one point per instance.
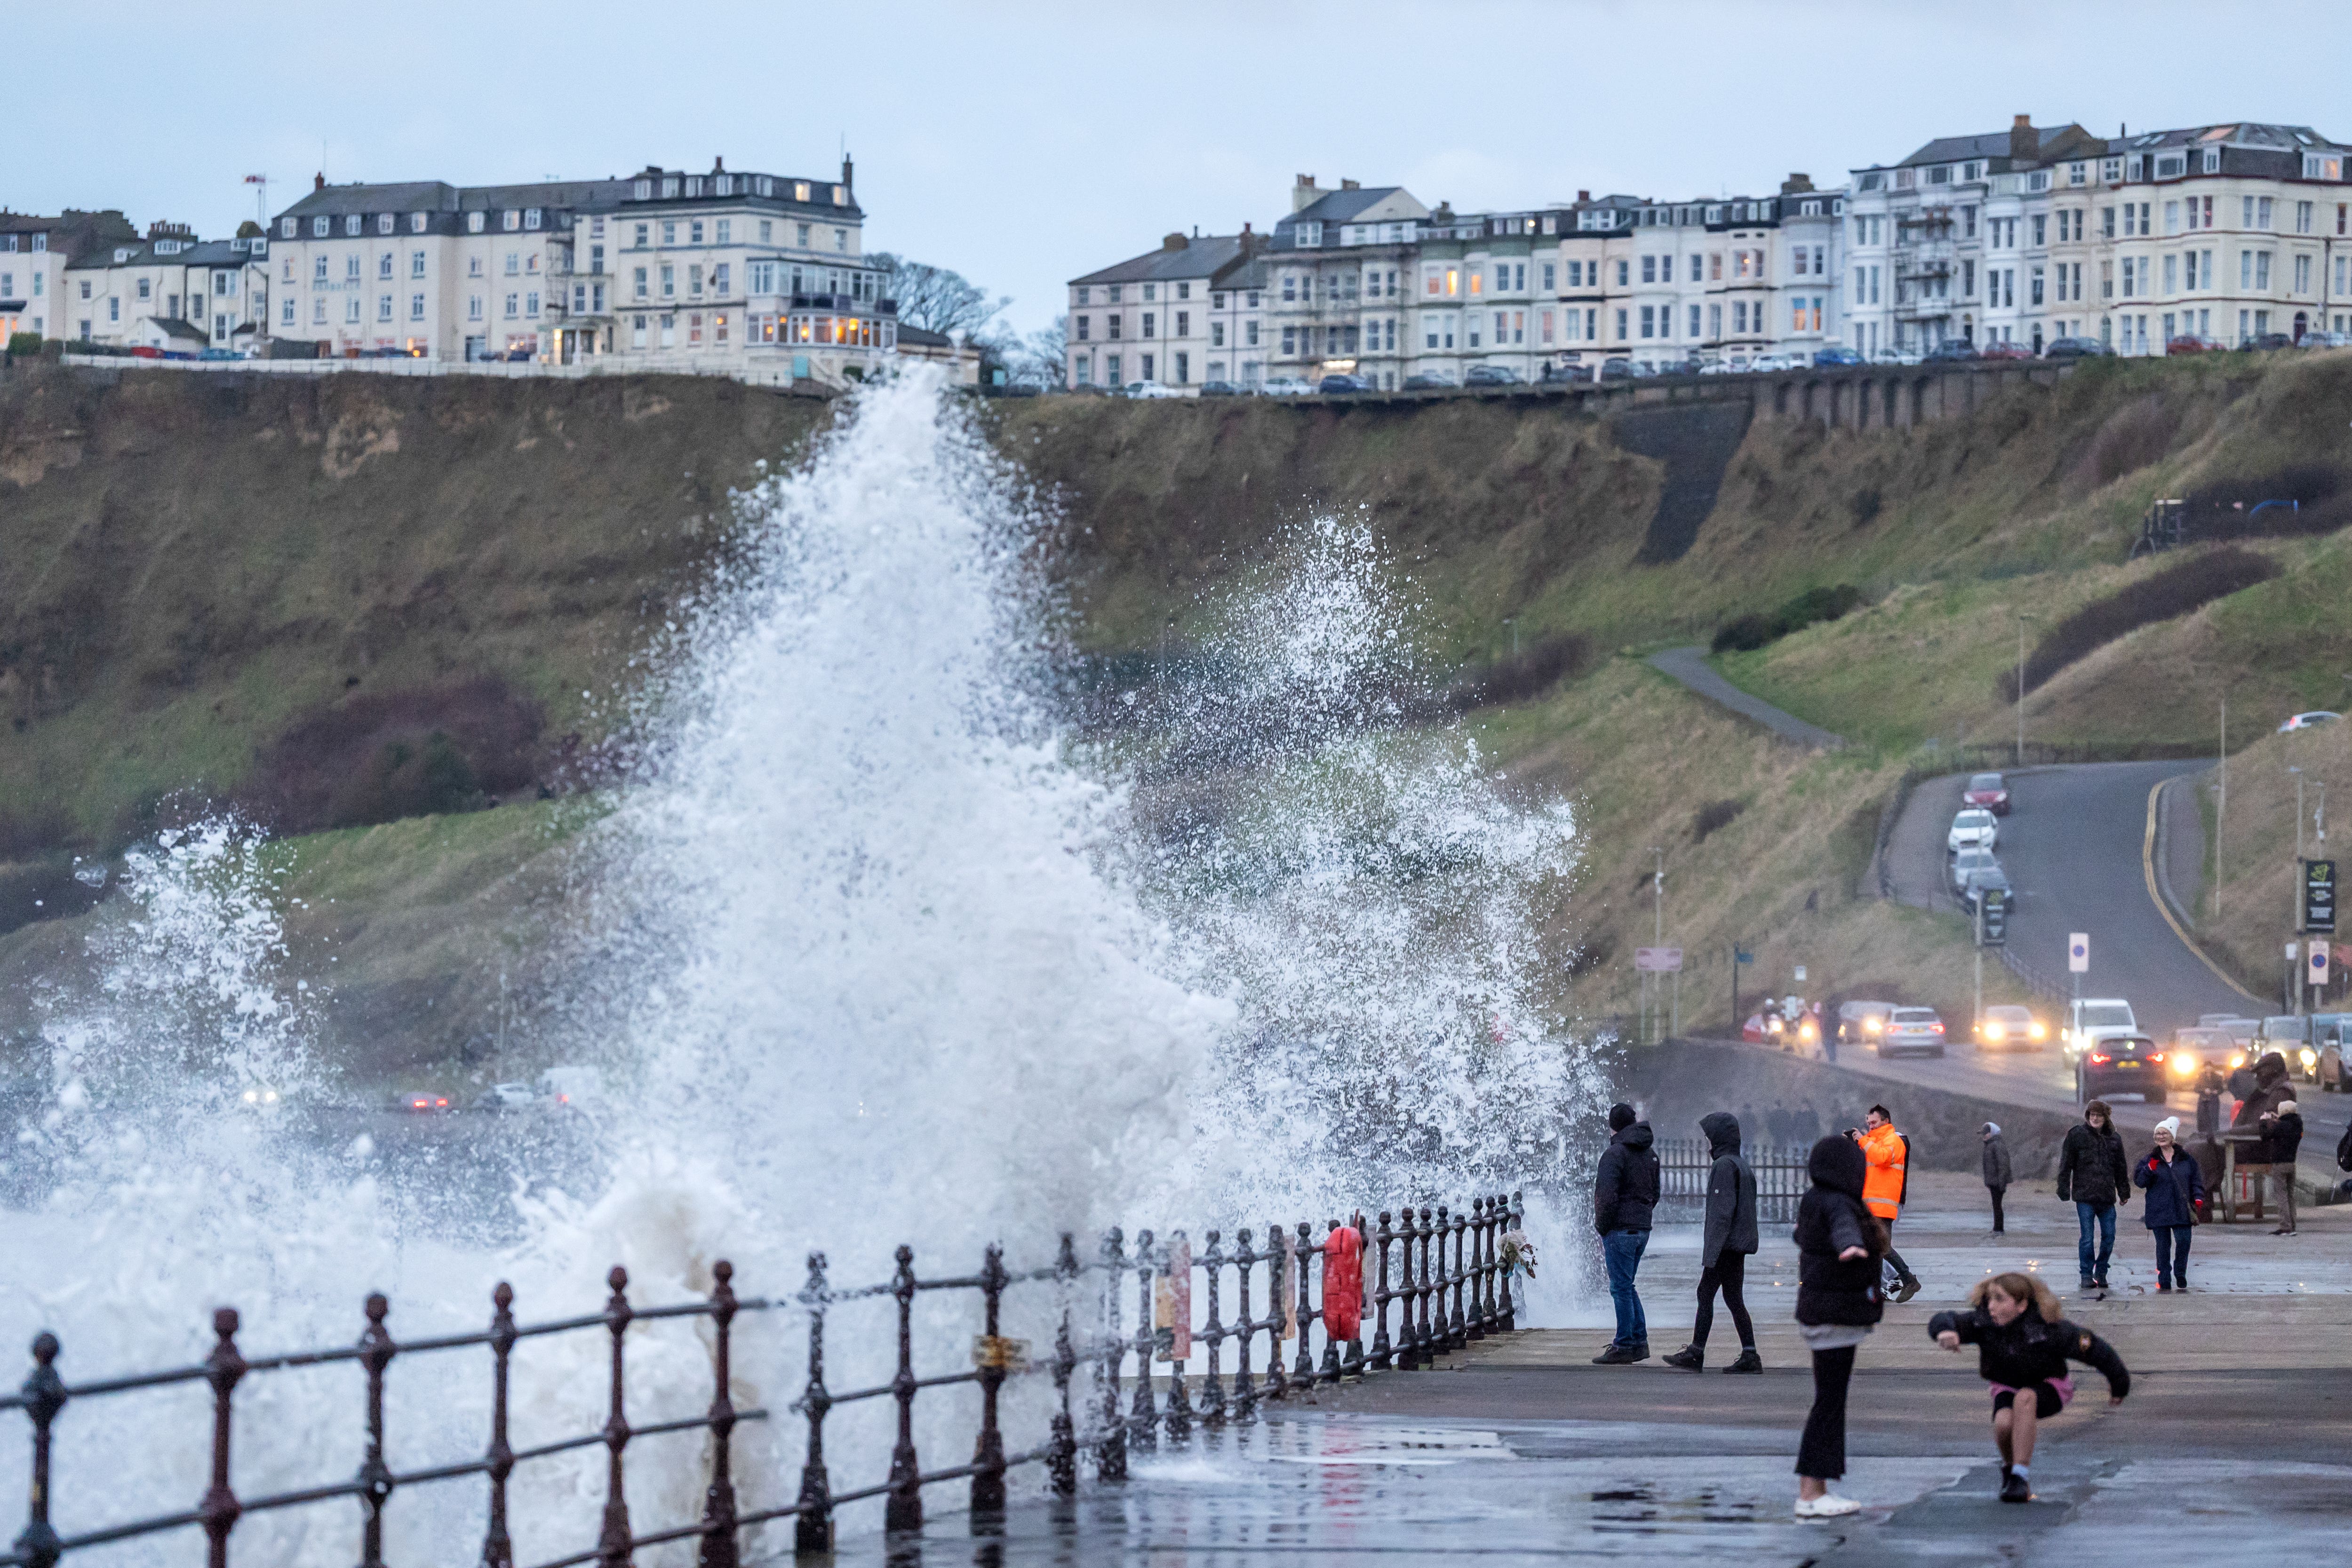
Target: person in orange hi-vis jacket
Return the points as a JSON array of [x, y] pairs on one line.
[[1888, 1153]]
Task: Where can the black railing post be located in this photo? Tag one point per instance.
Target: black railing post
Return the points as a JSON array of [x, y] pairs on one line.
[[1110, 1457], [904, 1509], [1514, 1218], [1143, 1416], [1430, 1348], [44, 1395], [613, 1540], [1407, 1292], [1179, 1398], [1212, 1389], [1356, 1364], [376, 1351], [988, 1453], [1476, 1322], [1443, 1280], [498, 1547], [1303, 1371], [812, 1526], [1245, 1332], [1277, 1295], [1062, 1464], [719, 1548], [1328, 1368], [1495, 1225], [1380, 1349], [1458, 1327], [220, 1509]]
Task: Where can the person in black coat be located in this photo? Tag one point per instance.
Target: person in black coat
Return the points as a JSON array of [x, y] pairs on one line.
[[2091, 1171], [1624, 1193], [1996, 1168], [2176, 1196], [1840, 1245], [1725, 1247], [2285, 1127], [2022, 1347]]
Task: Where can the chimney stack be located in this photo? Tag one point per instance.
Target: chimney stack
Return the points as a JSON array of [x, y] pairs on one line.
[[848, 173], [1303, 195], [1584, 196], [319, 182], [1171, 242], [2024, 142], [1348, 184]]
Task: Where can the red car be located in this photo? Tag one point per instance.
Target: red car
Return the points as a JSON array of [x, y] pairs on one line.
[[2004, 351], [1987, 791], [2190, 343]]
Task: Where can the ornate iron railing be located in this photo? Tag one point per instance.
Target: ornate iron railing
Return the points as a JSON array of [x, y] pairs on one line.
[[1685, 1164], [1448, 1283]]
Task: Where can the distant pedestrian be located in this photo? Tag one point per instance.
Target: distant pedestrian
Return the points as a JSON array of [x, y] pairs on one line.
[[1625, 1195], [2024, 1344], [1725, 1247], [2091, 1174], [1839, 1246], [1996, 1169], [2286, 1127], [2176, 1199], [1888, 1156]]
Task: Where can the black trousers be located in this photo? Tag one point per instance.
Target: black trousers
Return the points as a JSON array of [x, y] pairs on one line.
[[1821, 1453], [1895, 1258], [1731, 1276], [1996, 1192]]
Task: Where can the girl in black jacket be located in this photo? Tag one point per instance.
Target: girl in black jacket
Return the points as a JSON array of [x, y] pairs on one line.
[[1839, 1245], [2022, 1347]]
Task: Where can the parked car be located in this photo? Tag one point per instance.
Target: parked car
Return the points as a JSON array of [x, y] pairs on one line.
[[1837, 357], [2005, 351], [2269, 340], [1346, 383], [2090, 1019], [1972, 828], [421, 1101], [1491, 376], [217, 354], [2327, 339], [1972, 887], [1149, 390], [1616, 368], [2307, 720], [1286, 386], [1727, 365], [2010, 1027], [2075, 349], [1897, 357], [511, 1097], [1552, 375], [1222, 388], [1964, 864], [1951, 351], [2191, 343], [1428, 381], [1987, 791], [1915, 1030], [2121, 1064]]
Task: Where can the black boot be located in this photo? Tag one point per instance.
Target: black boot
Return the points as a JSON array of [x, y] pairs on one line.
[[1748, 1361], [2014, 1487], [1691, 1358]]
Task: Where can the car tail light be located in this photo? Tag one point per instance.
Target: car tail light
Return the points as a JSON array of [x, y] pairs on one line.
[[2155, 1056], [441, 1104], [2099, 1059], [1935, 1028], [416, 1104]]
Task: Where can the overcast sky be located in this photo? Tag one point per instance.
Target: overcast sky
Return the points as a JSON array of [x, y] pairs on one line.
[[1022, 143]]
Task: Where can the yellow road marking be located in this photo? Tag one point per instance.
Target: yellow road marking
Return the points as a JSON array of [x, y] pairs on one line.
[[2147, 870]]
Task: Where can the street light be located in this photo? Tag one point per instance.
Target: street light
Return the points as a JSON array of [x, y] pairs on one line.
[[2022, 619]]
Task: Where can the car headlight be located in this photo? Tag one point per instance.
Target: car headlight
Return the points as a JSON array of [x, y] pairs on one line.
[[2237, 1059], [1873, 1025], [251, 1098], [1994, 1031], [2037, 1031], [2310, 1059]]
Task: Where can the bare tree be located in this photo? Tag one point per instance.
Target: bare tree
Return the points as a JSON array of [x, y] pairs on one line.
[[1048, 354], [934, 298]]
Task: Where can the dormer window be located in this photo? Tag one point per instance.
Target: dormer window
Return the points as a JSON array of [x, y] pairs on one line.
[[723, 185], [841, 195], [350, 222], [120, 256], [2317, 167], [800, 190], [669, 187], [320, 228], [286, 228], [2135, 167], [2171, 165], [417, 222], [1311, 235], [645, 190], [2038, 181], [764, 185], [694, 185], [383, 222], [474, 222], [531, 217], [1972, 170]]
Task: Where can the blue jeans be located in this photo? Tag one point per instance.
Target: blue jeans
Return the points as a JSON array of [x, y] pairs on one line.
[[2084, 1215], [2172, 1253], [1622, 1250]]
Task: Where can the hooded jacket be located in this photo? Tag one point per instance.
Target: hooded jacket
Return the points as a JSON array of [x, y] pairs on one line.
[[2286, 1138], [2271, 1087], [1625, 1187], [2028, 1350], [1730, 1192], [1887, 1182], [1831, 1218], [1996, 1159], [2091, 1165], [2174, 1189]]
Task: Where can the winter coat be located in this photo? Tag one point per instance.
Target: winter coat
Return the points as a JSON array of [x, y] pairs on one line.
[[2026, 1351], [1831, 1218], [2270, 1087], [1995, 1162], [2286, 1138], [1625, 1187], [2174, 1190], [1730, 1192], [2090, 1166], [1887, 1153]]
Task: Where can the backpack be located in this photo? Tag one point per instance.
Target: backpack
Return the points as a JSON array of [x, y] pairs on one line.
[[2343, 1152], [1904, 1196]]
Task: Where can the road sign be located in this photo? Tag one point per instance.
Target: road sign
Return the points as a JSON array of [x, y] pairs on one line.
[[1800, 974], [1741, 955], [2078, 952], [2316, 958], [1992, 918], [1658, 960], [2319, 897]]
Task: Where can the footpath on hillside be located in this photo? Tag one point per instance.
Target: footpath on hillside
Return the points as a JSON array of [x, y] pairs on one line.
[[1518, 1450], [1689, 667]]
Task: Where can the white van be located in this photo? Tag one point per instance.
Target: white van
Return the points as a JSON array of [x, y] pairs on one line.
[[2093, 1018]]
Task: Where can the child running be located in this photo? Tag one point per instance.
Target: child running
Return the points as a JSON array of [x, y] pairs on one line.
[[2022, 1347]]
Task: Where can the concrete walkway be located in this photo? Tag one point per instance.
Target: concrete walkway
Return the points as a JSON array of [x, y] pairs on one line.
[[1689, 667]]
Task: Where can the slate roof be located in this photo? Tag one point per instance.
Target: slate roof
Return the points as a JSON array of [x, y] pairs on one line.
[[1198, 258]]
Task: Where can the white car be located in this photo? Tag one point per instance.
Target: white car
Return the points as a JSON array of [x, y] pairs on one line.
[[2093, 1018], [1897, 356], [1974, 828], [1288, 386], [1770, 363], [1150, 389], [2306, 720]]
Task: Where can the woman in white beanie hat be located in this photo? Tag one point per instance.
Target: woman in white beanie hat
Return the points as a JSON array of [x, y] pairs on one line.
[[2176, 1195]]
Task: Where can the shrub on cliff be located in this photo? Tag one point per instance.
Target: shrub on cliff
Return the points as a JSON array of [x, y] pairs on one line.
[[2176, 590], [1745, 634]]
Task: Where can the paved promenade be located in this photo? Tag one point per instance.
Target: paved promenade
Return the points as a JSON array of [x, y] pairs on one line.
[[2236, 1442]]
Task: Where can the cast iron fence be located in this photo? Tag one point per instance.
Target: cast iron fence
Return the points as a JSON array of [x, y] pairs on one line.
[[1451, 1287], [1684, 1164]]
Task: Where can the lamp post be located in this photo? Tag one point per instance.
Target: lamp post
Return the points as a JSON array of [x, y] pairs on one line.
[[2022, 619]]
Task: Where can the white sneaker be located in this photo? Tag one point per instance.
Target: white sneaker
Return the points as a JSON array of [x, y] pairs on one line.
[[1829, 1505]]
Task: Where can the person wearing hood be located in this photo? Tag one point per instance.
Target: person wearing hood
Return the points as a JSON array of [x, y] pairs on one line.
[[2258, 1113], [2284, 1128], [1996, 1168], [2092, 1172], [2022, 1346], [1840, 1245], [1725, 1247], [1624, 1193], [2176, 1195]]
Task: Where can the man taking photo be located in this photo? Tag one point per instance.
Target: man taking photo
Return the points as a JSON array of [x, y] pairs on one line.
[[1888, 1156]]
